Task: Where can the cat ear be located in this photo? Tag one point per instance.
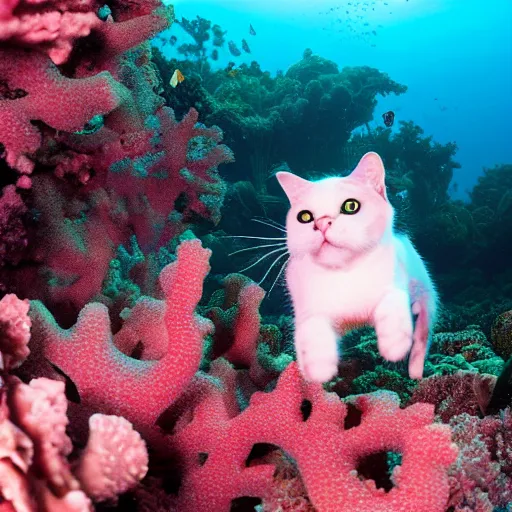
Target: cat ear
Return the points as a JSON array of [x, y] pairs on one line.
[[370, 170], [293, 186]]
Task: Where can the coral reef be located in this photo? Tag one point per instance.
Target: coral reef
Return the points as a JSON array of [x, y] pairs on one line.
[[137, 370], [110, 156], [206, 414], [314, 107], [481, 479]]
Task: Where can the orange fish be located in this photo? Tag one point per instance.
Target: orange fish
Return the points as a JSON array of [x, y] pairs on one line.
[[176, 78]]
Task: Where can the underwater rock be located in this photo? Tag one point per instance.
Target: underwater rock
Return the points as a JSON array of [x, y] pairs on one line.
[[501, 335]]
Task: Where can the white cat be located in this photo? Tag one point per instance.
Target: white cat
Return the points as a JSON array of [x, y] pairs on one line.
[[349, 268]]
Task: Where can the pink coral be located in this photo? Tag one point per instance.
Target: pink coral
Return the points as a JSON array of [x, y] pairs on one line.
[[141, 164], [40, 410], [481, 479], [112, 382], [326, 455], [35, 473], [144, 328], [42, 93], [14, 330], [238, 325], [16, 453], [54, 25], [462, 392], [114, 460], [34, 89]]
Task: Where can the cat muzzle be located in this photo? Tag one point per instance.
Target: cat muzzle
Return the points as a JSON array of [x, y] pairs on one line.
[[323, 224]]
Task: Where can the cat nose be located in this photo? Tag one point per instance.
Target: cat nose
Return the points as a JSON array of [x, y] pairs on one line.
[[323, 223]]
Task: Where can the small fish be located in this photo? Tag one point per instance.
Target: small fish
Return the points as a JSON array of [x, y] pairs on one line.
[[233, 49], [215, 54], [233, 73], [245, 46], [389, 118], [252, 31], [176, 78], [173, 40]]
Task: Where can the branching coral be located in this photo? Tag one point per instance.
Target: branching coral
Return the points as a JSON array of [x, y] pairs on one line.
[[54, 103], [97, 90], [52, 25], [138, 390], [326, 454], [125, 165], [212, 437]]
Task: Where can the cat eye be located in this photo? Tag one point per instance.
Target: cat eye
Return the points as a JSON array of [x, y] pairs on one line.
[[305, 216], [350, 206]]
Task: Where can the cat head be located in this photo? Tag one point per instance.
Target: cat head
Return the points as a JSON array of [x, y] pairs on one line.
[[337, 219]]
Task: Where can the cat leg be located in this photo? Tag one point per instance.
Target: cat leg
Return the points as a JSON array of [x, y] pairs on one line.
[[420, 339], [393, 325], [316, 344]]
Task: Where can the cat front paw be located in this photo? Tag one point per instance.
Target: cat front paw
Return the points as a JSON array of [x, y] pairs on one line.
[[320, 370], [395, 347], [317, 351], [393, 326]]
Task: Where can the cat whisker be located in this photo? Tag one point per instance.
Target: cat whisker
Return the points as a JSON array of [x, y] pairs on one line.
[[252, 237], [264, 257], [270, 223], [282, 244], [278, 276], [271, 267]]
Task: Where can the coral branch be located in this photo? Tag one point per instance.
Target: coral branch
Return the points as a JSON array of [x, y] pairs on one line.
[[327, 455], [137, 390]]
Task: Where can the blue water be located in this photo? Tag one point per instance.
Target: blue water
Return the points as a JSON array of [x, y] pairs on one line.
[[454, 55]]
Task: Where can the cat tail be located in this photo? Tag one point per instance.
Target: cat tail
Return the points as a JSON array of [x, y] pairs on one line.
[[424, 307]]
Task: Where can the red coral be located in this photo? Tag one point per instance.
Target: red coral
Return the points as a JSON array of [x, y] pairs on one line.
[[326, 455], [110, 381], [48, 96]]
